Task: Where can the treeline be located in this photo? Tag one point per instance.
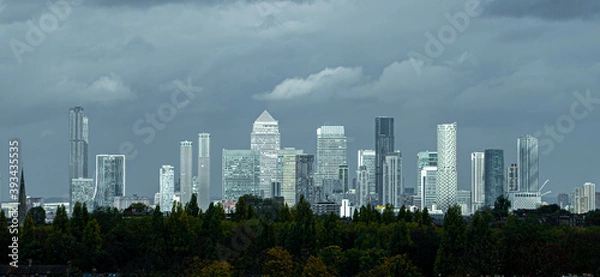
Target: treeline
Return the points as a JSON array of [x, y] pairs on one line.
[[264, 238]]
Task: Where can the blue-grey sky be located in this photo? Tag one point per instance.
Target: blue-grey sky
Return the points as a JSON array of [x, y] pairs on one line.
[[499, 68]]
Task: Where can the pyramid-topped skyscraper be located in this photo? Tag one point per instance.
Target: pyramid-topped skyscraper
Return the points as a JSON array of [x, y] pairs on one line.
[[265, 138]]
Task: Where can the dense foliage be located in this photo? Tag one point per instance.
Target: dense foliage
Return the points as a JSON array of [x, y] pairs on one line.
[[264, 238]]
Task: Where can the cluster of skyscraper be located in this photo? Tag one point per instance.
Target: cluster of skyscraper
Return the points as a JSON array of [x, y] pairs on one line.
[[198, 185], [109, 182], [518, 182], [267, 170], [270, 171]]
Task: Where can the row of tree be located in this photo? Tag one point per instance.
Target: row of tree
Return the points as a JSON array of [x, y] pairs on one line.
[[264, 238]]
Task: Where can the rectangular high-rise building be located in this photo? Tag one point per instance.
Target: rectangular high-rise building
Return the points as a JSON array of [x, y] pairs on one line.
[[477, 180], [428, 185], [424, 158], [589, 192], [110, 179], [82, 191], [512, 178], [185, 171], [287, 173], [343, 175], [447, 177], [528, 164], [494, 175], [563, 200], [367, 158], [304, 178], [166, 187], [203, 171], [384, 144], [392, 179], [78, 147], [241, 173], [265, 138], [331, 153], [363, 182]]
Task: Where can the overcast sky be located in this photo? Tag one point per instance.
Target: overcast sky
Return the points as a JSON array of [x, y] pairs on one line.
[[512, 69]]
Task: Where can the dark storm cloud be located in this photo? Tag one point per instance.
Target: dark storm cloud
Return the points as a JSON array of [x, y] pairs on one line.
[[309, 63], [547, 9]]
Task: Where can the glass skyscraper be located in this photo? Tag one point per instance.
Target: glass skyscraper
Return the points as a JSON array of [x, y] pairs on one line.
[[384, 144], [494, 175], [528, 164], [185, 171], [287, 174], [241, 173], [110, 179], [477, 180], [367, 158], [78, 147], [304, 178], [392, 179], [424, 159], [82, 191], [203, 171], [447, 178], [265, 138], [167, 187], [428, 185], [331, 153]]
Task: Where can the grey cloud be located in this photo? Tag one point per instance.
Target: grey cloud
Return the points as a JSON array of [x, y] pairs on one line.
[[546, 9]]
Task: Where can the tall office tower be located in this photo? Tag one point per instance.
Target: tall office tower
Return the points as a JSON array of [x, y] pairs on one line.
[[392, 179], [563, 200], [384, 144], [110, 179], [265, 138], [82, 191], [363, 182], [304, 178], [167, 187], [512, 178], [494, 175], [477, 180], [78, 147], [343, 175], [203, 171], [589, 192], [578, 201], [428, 185], [447, 178], [528, 164], [241, 173], [367, 158], [286, 173], [185, 171], [331, 153], [424, 158]]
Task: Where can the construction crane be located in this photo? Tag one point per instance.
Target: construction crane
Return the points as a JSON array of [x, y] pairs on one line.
[[542, 187]]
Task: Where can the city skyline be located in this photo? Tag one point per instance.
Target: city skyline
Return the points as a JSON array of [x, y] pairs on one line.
[[213, 67]]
